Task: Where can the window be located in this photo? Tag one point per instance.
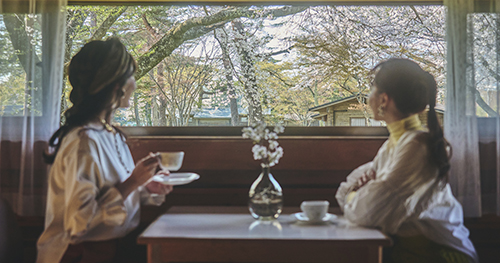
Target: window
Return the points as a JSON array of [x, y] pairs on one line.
[[375, 123], [29, 71], [275, 64], [485, 67], [271, 66], [358, 122], [20, 76]]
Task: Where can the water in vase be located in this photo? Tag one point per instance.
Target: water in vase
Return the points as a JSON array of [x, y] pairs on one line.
[[264, 211], [265, 197]]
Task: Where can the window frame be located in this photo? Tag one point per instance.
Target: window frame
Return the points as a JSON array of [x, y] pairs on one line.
[[235, 131], [231, 131], [219, 132]]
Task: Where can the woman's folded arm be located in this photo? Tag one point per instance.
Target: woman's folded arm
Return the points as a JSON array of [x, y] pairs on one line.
[[393, 196]]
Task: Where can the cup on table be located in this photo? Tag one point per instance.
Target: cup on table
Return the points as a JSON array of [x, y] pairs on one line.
[[171, 161], [315, 210]]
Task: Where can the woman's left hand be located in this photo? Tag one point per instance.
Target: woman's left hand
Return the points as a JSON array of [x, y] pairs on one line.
[[365, 178], [155, 187]]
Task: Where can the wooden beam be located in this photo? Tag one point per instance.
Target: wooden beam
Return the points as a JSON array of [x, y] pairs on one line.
[[242, 2], [37, 6]]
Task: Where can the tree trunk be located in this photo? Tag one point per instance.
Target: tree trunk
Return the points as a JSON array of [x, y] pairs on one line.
[[162, 104], [471, 80], [252, 93], [147, 108], [226, 60], [20, 39], [114, 14], [136, 110], [93, 20], [154, 106]]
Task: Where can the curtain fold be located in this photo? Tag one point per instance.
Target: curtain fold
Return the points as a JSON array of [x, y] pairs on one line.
[[460, 122], [493, 199], [31, 66], [473, 83]]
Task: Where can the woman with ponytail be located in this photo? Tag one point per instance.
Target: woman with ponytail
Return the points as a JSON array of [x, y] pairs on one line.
[[94, 189], [404, 191]]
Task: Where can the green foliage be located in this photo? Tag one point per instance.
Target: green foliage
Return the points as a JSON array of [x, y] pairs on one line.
[[20, 40]]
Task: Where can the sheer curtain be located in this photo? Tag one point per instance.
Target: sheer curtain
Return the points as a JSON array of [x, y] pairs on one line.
[[473, 74], [32, 35]]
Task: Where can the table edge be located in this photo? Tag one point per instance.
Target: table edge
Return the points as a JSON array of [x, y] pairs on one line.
[[151, 240]]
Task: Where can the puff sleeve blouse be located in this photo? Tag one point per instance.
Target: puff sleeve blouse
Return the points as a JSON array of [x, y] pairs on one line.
[[405, 197], [82, 201]]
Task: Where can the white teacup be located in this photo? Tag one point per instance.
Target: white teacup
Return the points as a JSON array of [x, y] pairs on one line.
[[171, 161], [315, 210]]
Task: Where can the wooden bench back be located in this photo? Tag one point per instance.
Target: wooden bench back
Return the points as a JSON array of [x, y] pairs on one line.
[[311, 168]]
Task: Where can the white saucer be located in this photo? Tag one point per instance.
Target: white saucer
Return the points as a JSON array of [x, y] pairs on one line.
[[301, 217], [177, 178]]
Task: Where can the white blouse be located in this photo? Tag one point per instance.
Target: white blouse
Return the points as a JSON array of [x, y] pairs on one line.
[[82, 201], [405, 198]]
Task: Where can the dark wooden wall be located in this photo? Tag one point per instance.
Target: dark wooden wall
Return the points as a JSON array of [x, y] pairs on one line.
[[309, 168]]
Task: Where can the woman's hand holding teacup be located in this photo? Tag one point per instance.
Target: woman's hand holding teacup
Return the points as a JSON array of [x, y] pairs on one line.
[[155, 187], [143, 171]]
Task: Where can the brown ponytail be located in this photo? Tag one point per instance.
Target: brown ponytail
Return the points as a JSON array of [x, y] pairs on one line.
[[437, 142]]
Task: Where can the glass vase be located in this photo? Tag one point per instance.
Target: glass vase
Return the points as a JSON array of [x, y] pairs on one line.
[[265, 196]]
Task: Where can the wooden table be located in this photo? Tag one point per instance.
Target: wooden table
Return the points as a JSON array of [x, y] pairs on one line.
[[230, 234]]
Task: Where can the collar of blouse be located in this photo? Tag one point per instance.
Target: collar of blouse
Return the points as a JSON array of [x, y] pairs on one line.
[[398, 128]]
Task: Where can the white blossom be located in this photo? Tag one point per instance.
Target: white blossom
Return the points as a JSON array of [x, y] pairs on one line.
[[273, 145], [279, 129], [272, 136], [266, 146], [275, 156], [259, 152]]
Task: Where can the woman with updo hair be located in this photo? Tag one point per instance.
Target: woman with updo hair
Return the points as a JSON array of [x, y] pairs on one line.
[[404, 191], [94, 189]]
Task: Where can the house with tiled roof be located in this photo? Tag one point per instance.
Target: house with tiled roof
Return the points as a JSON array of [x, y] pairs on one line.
[[350, 111]]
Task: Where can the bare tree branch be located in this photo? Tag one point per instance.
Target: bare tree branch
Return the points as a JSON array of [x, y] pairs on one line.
[[178, 34], [110, 20]]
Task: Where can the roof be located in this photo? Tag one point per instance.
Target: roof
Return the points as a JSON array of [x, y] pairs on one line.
[[318, 115], [439, 107], [334, 102]]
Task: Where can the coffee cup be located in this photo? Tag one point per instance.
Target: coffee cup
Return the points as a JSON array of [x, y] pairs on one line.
[[315, 210], [171, 161]]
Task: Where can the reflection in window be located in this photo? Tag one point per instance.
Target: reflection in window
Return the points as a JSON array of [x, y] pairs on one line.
[[20, 65], [484, 58]]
